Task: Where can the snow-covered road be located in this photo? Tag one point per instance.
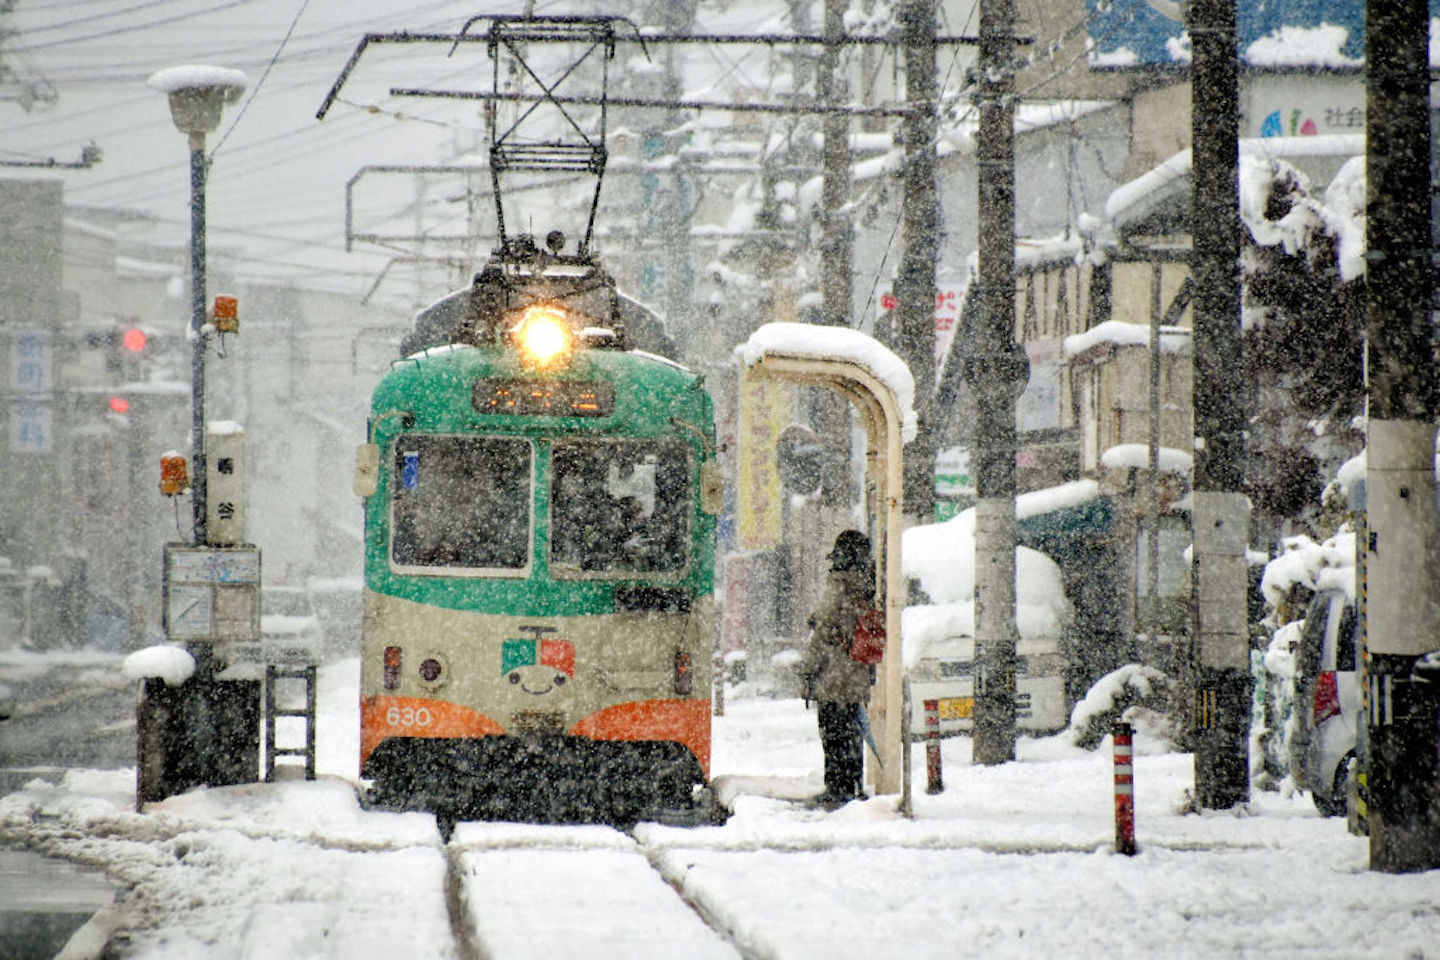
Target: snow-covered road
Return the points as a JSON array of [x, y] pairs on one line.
[[1010, 861]]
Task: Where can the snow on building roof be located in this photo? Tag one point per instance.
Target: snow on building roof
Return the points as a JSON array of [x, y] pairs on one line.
[[1118, 333], [956, 136], [1133, 201], [1288, 35], [74, 225], [135, 267], [1137, 455], [1295, 46], [1061, 497], [816, 342]]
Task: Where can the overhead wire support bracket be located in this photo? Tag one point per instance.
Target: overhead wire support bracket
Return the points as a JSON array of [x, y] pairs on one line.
[[897, 110], [760, 39]]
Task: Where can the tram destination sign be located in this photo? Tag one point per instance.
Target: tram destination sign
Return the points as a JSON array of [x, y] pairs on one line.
[[544, 398]]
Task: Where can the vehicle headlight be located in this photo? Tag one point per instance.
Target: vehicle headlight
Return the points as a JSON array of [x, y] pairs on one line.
[[544, 336]]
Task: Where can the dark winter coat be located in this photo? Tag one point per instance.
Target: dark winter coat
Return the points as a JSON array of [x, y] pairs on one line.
[[826, 667]]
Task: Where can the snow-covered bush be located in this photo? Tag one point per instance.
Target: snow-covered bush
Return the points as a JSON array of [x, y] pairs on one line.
[[1302, 568], [1136, 694]]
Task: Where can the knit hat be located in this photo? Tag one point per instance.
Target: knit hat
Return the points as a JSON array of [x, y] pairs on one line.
[[851, 551]]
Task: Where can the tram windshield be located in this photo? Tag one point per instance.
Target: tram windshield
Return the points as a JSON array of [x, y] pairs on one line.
[[619, 507], [461, 503]]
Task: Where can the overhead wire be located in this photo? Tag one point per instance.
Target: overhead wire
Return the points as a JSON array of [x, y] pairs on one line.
[[47, 27], [105, 35], [250, 98]]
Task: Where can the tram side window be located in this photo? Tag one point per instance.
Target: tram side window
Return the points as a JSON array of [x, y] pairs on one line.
[[620, 506], [461, 502]]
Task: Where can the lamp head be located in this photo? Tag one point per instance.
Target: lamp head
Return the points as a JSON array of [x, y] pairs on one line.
[[198, 94]]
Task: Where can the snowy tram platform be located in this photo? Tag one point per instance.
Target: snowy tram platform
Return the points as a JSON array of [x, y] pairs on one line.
[[1009, 861]]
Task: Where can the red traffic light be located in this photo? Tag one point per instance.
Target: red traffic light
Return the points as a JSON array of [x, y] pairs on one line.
[[134, 339], [119, 405]]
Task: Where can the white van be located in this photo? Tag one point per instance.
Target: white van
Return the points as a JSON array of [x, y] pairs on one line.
[[945, 671]]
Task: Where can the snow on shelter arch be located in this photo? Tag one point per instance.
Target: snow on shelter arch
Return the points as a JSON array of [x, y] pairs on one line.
[[879, 385]]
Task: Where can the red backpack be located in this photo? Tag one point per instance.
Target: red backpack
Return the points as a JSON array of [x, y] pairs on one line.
[[868, 644]]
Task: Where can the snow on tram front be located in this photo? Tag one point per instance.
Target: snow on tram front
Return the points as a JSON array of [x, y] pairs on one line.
[[540, 502]]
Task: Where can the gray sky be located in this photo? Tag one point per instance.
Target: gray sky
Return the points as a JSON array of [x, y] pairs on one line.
[[276, 189]]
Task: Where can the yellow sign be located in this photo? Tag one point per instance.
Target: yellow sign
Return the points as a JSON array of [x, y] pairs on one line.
[[764, 412], [956, 708]]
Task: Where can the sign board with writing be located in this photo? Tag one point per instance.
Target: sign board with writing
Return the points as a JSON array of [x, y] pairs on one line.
[[32, 363], [948, 298], [764, 411], [32, 428], [211, 593]]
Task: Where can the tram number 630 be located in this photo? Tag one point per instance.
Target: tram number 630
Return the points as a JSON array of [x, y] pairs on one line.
[[408, 717]]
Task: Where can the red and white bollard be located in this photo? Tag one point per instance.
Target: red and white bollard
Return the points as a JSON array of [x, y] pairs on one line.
[[932, 747], [1124, 791]]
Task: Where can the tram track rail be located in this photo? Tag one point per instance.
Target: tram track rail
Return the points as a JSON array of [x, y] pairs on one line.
[[600, 866]]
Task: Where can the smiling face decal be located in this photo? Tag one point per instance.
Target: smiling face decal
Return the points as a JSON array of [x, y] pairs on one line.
[[538, 666]]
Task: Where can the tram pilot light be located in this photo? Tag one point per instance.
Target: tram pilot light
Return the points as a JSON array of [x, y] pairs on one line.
[[391, 673], [134, 340], [544, 335], [119, 405]]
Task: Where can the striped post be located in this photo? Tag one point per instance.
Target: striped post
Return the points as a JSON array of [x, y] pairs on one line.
[[932, 747], [1124, 791]]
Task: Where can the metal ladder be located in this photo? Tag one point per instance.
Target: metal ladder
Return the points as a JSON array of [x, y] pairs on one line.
[[273, 673]]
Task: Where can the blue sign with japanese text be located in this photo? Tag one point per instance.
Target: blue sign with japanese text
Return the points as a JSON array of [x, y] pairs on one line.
[[1272, 33]]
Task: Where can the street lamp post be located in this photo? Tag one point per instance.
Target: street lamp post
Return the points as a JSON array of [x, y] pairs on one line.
[[197, 95], [187, 735]]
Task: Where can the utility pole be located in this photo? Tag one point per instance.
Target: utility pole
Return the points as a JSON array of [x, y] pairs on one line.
[[1403, 610], [836, 243], [1220, 514], [676, 202], [995, 372], [837, 295], [914, 318]]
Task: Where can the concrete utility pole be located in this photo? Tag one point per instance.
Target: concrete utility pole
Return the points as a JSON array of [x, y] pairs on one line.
[[1220, 516], [837, 296], [914, 335], [676, 198], [836, 243], [1403, 609], [994, 372]]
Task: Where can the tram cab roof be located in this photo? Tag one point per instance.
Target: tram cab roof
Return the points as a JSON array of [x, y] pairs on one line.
[[520, 275]]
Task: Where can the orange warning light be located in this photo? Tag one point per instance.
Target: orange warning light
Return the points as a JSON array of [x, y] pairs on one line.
[[174, 475], [226, 314]]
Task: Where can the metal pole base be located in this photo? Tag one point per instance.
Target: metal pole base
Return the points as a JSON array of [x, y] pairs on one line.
[[1404, 772], [1222, 734]]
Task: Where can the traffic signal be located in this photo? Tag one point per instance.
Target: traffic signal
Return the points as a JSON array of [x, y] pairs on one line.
[[128, 353]]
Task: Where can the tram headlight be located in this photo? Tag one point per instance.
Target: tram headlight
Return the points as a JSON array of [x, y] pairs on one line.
[[544, 336]]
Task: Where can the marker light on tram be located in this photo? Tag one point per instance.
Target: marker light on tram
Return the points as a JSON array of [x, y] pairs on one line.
[[544, 336], [119, 405]]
